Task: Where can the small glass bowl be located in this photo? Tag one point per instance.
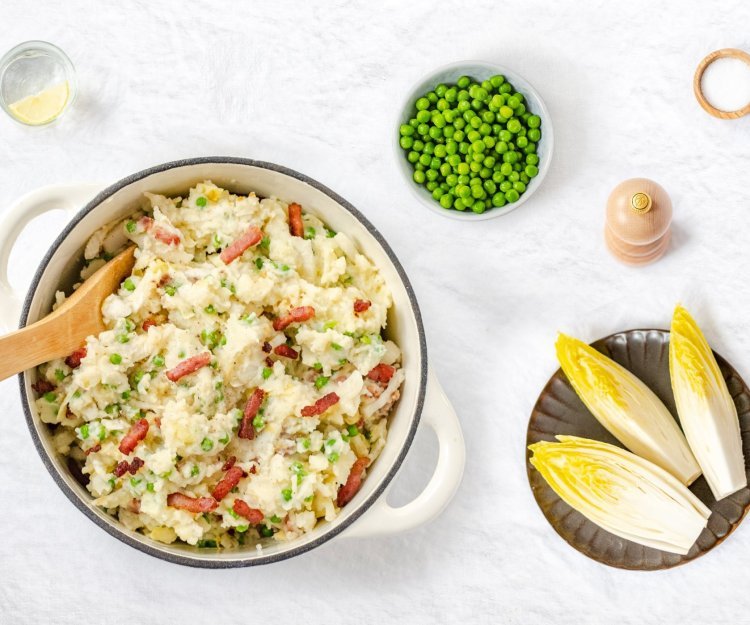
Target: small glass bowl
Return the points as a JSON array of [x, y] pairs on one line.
[[30, 68]]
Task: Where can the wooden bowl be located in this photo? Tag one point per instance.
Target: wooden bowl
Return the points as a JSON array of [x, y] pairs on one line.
[[559, 411], [698, 90]]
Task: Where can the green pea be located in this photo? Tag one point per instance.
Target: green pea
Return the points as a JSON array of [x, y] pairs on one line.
[[451, 147], [452, 180], [459, 135], [514, 176], [429, 148], [445, 169], [128, 285], [412, 156], [534, 121], [497, 177], [505, 88], [489, 161], [506, 169], [506, 186], [519, 186], [531, 170], [437, 193], [489, 186], [418, 145], [425, 159], [534, 134], [419, 177], [459, 204], [459, 123], [432, 176], [423, 129], [451, 94], [463, 168], [438, 120], [463, 179], [514, 125], [501, 147], [499, 200], [478, 207], [446, 201], [422, 104], [158, 361], [201, 201], [478, 146], [473, 135], [406, 142], [435, 132], [207, 444], [497, 101], [513, 102], [442, 105], [406, 130], [512, 196], [463, 82], [532, 159]]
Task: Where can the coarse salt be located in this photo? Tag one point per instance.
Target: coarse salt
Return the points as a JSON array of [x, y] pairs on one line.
[[726, 84]]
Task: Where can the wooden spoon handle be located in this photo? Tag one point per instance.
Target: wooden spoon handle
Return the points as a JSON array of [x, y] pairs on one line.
[[35, 344]]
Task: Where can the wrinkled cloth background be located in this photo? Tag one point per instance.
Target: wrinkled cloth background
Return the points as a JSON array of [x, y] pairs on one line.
[[316, 86]]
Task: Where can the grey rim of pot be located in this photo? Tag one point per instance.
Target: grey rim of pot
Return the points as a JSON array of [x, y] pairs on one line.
[[199, 562]]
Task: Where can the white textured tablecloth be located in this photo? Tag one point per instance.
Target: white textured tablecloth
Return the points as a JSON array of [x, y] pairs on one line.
[[315, 86]]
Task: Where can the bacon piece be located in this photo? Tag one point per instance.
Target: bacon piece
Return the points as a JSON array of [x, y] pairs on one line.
[[227, 483], [361, 305], [136, 464], [269, 362], [296, 227], [134, 436], [196, 505], [320, 406], [353, 482], [161, 234], [157, 421], [286, 352], [229, 463], [166, 237], [382, 373], [299, 314], [149, 323], [121, 468], [134, 505], [267, 347], [253, 515], [164, 279], [238, 247], [93, 450], [188, 366], [74, 360], [246, 429], [43, 386]]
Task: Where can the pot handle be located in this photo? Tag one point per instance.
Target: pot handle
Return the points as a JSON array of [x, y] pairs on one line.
[[382, 518], [68, 197]]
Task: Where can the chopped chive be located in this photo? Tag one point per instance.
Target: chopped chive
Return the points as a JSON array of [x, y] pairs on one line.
[[321, 381], [266, 531], [76, 395], [84, 431], [130, 226], [194, 471], [306, 443], [366, 339], [233, 514], [150, 487], [317, 366], [267, 371], [224, 439], [102, 433], [209, 543], [336, 346], [286, 493], [170, 290], [125, 395], [309, 232], [258, 422], [59, 375], [329, 325], [134, 481], [333, 457], [111, 408], [207, 444], [330, 442], [158, 361], [241, 528], [330, 233], [210, 309], [259, 263]]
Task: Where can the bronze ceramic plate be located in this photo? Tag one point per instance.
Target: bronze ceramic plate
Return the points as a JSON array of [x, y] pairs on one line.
[[559, 411]]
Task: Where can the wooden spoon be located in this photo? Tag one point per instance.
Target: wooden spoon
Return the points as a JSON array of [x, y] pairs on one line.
[[65, 330]]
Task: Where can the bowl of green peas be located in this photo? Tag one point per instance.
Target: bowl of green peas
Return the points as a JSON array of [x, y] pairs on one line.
[[474, 140]]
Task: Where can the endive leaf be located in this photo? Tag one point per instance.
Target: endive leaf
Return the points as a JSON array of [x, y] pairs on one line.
[[629, 410], [705, 407], [621, 492]]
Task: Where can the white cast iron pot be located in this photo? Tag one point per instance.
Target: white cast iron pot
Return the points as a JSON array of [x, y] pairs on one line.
[[368, 513]]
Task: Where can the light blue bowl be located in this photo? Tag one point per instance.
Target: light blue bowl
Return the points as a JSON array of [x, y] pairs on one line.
[[478, 70]]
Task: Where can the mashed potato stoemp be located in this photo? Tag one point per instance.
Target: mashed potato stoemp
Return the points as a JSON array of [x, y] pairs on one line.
[[242, 386]]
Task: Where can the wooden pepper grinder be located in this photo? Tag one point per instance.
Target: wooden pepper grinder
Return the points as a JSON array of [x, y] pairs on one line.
[[639, 213]]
